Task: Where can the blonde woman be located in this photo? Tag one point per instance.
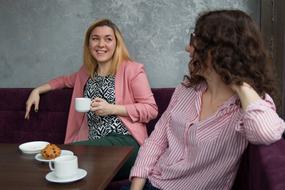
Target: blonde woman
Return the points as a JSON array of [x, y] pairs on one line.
[[122, 101]]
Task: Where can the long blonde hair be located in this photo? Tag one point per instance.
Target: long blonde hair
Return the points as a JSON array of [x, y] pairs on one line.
[[121, 52]]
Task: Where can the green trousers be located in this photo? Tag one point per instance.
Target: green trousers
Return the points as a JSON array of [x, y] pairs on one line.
[[117, 140]]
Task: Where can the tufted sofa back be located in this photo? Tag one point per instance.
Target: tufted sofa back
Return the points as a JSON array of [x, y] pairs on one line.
[[50, 122]]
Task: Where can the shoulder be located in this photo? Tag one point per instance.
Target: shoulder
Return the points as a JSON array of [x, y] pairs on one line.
[[83, 71], [132, 65], [82, 74], [182, 87], [182, 91]]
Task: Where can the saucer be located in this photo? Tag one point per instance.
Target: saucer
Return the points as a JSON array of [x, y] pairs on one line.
[[40, 158], [33, 147], [52, 178]]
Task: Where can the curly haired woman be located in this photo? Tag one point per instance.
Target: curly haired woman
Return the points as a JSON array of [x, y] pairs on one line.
[[223, 105]]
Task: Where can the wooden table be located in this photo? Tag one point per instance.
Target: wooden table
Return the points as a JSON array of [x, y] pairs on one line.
[[22, 171]]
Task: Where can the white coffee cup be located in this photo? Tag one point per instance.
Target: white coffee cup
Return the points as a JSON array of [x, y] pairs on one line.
[[64, 167], [82, 104]]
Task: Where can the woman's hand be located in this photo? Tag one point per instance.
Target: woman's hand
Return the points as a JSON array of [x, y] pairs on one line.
[[34, 99], [137, 183], [246, 93], [102, 107], [238, 88]]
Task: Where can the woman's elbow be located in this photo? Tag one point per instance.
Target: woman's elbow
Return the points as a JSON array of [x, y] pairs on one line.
[[268, 139], [149, 114], [153, 112]]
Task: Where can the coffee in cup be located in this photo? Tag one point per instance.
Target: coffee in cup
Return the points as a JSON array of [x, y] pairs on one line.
[[64, 167], [82, 104]]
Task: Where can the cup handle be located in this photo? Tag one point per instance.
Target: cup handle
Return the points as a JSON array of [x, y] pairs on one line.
[[51, 167]]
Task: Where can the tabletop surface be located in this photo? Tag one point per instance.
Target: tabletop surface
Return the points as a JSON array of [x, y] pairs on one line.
[[23, 171]]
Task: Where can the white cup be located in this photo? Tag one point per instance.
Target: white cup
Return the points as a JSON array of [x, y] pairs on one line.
[[82, 104], [64, 166]]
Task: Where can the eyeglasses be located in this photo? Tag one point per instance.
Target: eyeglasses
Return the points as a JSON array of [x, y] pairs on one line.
[[192, 37]]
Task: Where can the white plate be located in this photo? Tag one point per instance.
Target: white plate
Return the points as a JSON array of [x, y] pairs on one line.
[[40, 158], [33, 147], [80, 174]]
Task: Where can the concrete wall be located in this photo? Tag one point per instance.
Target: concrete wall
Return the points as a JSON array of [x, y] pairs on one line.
[[41, 39]]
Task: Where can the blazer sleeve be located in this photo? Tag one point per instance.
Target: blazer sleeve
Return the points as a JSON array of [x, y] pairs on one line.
[[144, 107], [66, 81]]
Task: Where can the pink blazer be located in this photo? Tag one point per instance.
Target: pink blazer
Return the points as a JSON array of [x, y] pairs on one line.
[[131, 90]]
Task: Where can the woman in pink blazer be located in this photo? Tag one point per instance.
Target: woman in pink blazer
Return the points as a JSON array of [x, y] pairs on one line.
[[122, 101]]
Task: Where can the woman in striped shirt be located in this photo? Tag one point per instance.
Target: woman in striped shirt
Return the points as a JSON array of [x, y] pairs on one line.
[[224, 104]]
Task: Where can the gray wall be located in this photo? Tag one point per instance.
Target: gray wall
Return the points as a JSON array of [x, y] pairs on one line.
[[41, 39]]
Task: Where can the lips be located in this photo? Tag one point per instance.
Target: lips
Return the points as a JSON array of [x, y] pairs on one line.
[[101, 51]]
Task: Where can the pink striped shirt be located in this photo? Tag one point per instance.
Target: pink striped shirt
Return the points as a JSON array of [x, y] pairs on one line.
[[185, 153]]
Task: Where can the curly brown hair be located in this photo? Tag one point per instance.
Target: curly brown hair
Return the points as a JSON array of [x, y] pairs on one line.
[[234, 42]]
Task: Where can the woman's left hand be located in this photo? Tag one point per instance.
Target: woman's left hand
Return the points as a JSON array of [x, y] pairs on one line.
[[246, 93], [238, 88], [102, 107]]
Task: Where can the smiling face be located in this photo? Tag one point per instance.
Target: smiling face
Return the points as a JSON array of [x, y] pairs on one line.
[[102, 44]]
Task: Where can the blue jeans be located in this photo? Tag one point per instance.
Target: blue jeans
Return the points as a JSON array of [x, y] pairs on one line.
[[147, 186]]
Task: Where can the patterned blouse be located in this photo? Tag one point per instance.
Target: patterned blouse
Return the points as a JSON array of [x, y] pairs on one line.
[[100, 126]]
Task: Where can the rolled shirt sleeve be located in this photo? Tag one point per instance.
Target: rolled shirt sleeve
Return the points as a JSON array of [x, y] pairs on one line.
[[260, 123]]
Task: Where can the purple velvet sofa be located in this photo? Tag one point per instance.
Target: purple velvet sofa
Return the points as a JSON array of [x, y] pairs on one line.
[[262, 167]]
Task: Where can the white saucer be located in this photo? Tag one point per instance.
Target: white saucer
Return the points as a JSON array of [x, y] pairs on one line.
[[52, 178], [33, 147], [40, 158]]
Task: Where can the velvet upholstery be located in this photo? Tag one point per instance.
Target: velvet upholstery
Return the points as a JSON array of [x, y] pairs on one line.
[[262, 167], [283, 78], [48, 124]]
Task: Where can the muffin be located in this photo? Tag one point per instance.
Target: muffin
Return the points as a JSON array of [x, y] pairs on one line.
[[51, 151]]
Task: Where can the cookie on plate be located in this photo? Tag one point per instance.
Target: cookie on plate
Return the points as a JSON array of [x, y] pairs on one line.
[[51, 151]]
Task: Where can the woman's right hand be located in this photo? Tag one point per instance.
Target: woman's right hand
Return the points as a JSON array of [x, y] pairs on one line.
[[33, 100], [137, 183]]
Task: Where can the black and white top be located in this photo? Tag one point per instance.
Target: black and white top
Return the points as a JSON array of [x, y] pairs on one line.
[[100, 126]]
